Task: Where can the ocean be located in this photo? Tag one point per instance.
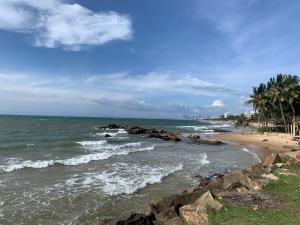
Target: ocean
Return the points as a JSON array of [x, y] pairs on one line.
[[63, 170]]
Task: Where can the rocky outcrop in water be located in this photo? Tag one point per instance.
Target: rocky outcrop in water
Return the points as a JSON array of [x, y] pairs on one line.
[[152, 133], [196, 139]]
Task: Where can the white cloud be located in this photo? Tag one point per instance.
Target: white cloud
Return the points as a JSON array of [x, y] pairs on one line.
[[139, 95], [217, 103], [54, 23]]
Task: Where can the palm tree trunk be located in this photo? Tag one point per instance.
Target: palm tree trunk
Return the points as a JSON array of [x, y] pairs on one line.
[[283, 117]]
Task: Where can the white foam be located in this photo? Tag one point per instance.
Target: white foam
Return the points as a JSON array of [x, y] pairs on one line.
[[124, 178], [92, 143], [112, 134], [207, 128], [204, 159], [81, 159], [244, 149]]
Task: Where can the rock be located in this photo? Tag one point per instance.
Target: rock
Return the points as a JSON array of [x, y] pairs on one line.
[[137, 219], [207, 142], [233, 181], [174, 221], [264, 140], [292, 162], [257, 170], [136, 130], [168, 207], [195, 214], [271, 159], [192, 215], [207, 200], [166, 137], [194, 136], [270, 176], [107, 135]]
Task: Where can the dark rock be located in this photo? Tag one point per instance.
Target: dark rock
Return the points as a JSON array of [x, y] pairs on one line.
[[137, 219], [208, 142], [136, 130], [166, 137], [107, 135], [110, 126], [220, 130]]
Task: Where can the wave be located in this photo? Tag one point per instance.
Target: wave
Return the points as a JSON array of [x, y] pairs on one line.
[[112, 134], [204, 159], [91, 143], [244, 149], [207, 128], [123, 178], [81, 159]]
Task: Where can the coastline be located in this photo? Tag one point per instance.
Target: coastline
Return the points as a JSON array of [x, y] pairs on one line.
[[267, 146]]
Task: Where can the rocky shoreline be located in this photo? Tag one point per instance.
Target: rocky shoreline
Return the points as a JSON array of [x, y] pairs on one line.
[[242, 188]]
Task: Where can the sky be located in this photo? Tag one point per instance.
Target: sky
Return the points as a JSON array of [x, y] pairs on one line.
[[146, 59]]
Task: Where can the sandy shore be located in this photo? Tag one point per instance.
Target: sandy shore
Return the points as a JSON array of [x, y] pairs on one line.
[[273, 141]]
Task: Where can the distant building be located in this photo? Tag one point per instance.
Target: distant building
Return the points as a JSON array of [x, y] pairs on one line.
[[249, 113], [226, 115]]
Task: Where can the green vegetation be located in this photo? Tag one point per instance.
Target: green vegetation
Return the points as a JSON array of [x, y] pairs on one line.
[[277, 102], [286, 188]]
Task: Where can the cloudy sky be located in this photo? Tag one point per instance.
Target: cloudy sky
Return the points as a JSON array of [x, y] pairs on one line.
[[133, 58]]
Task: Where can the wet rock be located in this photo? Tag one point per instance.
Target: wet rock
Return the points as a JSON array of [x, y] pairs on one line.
[[110, 126], [194, 137], [207, 142], [137, 219], [107, 135], [166, 137], [137, 130]]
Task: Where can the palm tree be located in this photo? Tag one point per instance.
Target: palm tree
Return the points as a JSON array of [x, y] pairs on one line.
[[292, 91], [259, 101]]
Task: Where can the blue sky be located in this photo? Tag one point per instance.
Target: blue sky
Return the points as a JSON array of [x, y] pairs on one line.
[[159, 59]]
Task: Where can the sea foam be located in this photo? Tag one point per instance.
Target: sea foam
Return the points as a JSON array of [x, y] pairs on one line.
[[108, 151], [123, 178]]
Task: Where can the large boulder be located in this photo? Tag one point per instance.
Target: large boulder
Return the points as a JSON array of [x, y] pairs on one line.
[[271, 159], [137, 219], [196, 213], [168, 207], [137, 130], [166, 137], [233, 181]]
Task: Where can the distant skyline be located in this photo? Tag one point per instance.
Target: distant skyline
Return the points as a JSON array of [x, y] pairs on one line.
[[151, 59]]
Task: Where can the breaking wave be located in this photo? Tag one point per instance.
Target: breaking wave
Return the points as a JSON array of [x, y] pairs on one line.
[[107, 152], [123, 178]]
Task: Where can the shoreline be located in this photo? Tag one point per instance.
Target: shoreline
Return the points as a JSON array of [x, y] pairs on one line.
[[265, 143], [267, 147]]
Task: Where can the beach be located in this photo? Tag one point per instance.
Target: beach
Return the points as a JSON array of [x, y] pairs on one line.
[[279, 142]]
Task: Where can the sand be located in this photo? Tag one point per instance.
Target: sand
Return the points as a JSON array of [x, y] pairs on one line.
[[274, 141]]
